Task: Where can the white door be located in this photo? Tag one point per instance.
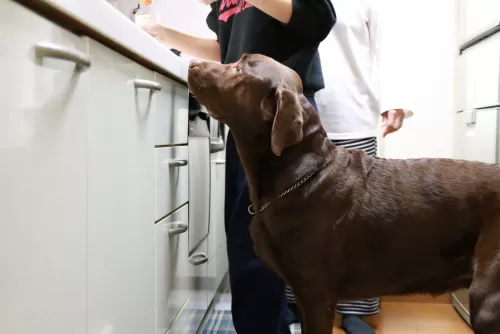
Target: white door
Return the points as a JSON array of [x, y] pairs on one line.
[[476, 135], [171, 255], [477, 16], [43, 178], [121, 232]]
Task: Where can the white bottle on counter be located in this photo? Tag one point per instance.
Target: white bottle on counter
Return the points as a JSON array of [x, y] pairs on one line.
[[146, 13]]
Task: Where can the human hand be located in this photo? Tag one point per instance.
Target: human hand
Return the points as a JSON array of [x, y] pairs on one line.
[[154, 29], [392, 120]]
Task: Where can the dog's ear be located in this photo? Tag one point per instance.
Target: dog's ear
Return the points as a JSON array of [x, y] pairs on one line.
[[288, 121]]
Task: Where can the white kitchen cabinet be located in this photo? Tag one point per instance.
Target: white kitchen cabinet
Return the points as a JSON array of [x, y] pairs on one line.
[[477, 16], [171, 251], [476, 135], [172, 175], [172, 111], [192, 278], [466, 79], [121, 195], [487, 82], [478, 75], [43, 178]]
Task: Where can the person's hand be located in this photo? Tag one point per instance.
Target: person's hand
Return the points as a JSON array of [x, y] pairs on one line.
[[392, 120], [154, 29], [207, 2]]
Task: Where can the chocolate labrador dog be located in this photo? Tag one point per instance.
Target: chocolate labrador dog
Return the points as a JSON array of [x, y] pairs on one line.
[[338, 224]]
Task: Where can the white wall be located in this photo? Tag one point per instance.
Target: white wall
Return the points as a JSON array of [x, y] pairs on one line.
[[426, 36], [188, 16]]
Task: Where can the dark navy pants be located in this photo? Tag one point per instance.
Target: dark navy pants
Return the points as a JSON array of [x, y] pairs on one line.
[[259, 304]]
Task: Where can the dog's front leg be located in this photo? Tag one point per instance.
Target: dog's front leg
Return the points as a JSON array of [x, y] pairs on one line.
[[316, 316]]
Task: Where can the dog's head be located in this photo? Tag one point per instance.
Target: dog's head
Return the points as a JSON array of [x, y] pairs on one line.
[[256, 97]]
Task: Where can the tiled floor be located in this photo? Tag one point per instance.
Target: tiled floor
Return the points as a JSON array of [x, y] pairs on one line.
[[396, 318]]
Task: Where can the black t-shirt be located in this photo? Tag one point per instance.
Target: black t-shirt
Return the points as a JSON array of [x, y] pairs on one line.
[[242, 28]]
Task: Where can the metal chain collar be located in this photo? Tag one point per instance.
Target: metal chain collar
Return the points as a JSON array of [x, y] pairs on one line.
[[286, 192]]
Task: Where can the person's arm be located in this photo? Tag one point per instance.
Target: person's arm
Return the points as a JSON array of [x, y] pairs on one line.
[[197, 47], [311, 20], [393, 97]]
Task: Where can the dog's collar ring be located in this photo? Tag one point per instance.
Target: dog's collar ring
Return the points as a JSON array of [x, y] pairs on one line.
[[251, 210]]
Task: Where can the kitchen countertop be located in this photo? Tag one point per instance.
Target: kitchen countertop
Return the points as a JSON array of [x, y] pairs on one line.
[[101, 21]]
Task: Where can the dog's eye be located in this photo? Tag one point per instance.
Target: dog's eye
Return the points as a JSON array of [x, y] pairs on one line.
[[238, 68]]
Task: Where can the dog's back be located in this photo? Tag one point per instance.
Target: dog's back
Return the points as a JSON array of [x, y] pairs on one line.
[[390, 226], [413, 224]]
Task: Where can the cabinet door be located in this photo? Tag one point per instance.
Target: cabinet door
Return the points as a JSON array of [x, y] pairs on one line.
[[465, 85], [171, 255], [172, 179], [121, 232], [487, 83], [478, 75], [476, 135], [477, 16], [43, 180], [172, 113]]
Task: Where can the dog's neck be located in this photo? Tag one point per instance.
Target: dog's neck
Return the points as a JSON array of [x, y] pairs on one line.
[[269, 175]]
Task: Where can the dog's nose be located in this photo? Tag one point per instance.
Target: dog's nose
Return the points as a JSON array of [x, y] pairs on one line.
[[194, 63]]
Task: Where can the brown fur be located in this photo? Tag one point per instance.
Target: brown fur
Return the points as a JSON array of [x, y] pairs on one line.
[[361, 226]]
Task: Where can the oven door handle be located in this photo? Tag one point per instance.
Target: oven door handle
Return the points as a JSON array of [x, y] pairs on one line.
[[216, 144]]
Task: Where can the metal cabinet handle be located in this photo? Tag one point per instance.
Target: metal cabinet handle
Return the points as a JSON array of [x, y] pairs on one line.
[[198, 259], [147, 84], [176, 228], [472, 120], [216, 145], [219, 162], [178, 163], [56, 51]]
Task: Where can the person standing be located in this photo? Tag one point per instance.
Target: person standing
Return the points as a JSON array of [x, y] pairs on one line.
[[288, 31], [353, 100]]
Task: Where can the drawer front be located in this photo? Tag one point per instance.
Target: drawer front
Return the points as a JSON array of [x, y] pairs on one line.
[[479, 75], [487, 56], [192, 278], [172, 189], [476, 136], [181, 97], [171, 250], [477, 16], [172, 113]]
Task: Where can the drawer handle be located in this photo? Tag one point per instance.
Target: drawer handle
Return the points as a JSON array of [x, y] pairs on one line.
[[198, 259], [178, 163], [147, 84], [472, 119], [50, 50], [219, 162], [176, 228], [216, 145]]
